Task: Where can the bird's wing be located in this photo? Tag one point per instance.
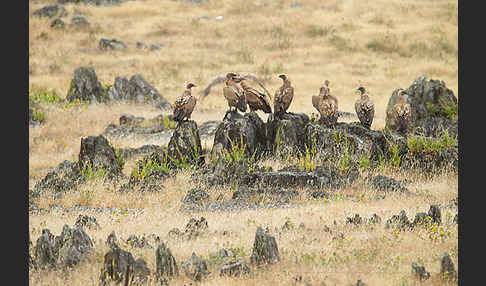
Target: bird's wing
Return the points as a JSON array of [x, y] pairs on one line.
[[222, 78], [229, 93]]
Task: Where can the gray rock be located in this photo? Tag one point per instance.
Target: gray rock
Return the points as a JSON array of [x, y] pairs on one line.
[[234, 267], [138, 90], [265, 249], [116, 264], [427, 99], [385, 184], [73, 245], [141, 271], [155, 47], [85, 86], [195, 268], [64, 177], [236, 129], [420, 219], [286, 135], [113, 44], [51, 11], [208, 128], [111, 239], [374, 219], [165, 262], [128, 119], [98, 153], [356, 219], [400, 221], [195, 197], [447, 269], [420, 272], [185, 144], [45, 254]]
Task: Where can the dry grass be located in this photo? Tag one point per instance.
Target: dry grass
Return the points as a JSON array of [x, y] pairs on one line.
[[351, 43]]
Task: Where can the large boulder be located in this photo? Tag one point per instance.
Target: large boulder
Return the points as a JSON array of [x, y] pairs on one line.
[[115, 264], [185, 144], [138, 90], [98, 154], [85, 86], [433, 108], [286, 134], [240, 131], [72, 245]]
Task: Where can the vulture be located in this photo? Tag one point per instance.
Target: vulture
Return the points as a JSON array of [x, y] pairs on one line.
[[401, 112], [365, 109], [234, 93], [184, 104], [327, 106], [256, 100], [283, 96]]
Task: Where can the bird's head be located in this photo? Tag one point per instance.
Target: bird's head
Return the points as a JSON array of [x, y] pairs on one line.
[[190, 85], [326, 83], [361, 89], [282, 76]]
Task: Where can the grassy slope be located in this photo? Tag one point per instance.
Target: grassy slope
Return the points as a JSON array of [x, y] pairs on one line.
[[380, 44]]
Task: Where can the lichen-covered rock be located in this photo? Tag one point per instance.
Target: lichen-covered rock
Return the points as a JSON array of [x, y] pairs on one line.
[[98, 154], [234, 267], [72, 245], [185, 144], [428, 99], [115, 264], [244, 131], [45, 254], [85, 86], [165, 262], [286, 135], [51, 11], [265, 249], [435, 214], [79, 21], [385, 184], [64, 177], [195, 268], [399, 221], [138, 90]]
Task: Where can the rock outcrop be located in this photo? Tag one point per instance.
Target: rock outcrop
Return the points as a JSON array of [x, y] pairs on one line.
[[185, 145], [433, 108], [98, 154], [195, 268], [85, 86]]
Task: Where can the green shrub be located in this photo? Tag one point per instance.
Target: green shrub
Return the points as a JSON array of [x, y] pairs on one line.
[[41, 95]]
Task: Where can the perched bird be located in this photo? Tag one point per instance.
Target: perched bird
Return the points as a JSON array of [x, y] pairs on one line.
[[256, 100], [401, 112], [283, 96], [365, 109], [184, 104], [326, 105], [234, 93]]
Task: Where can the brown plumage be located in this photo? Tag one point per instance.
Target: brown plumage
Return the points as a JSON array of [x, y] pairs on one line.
[[234, 93], [365, 109], [327, 105], [255, 99], [283, 96], [401, 113], [184, 104]]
